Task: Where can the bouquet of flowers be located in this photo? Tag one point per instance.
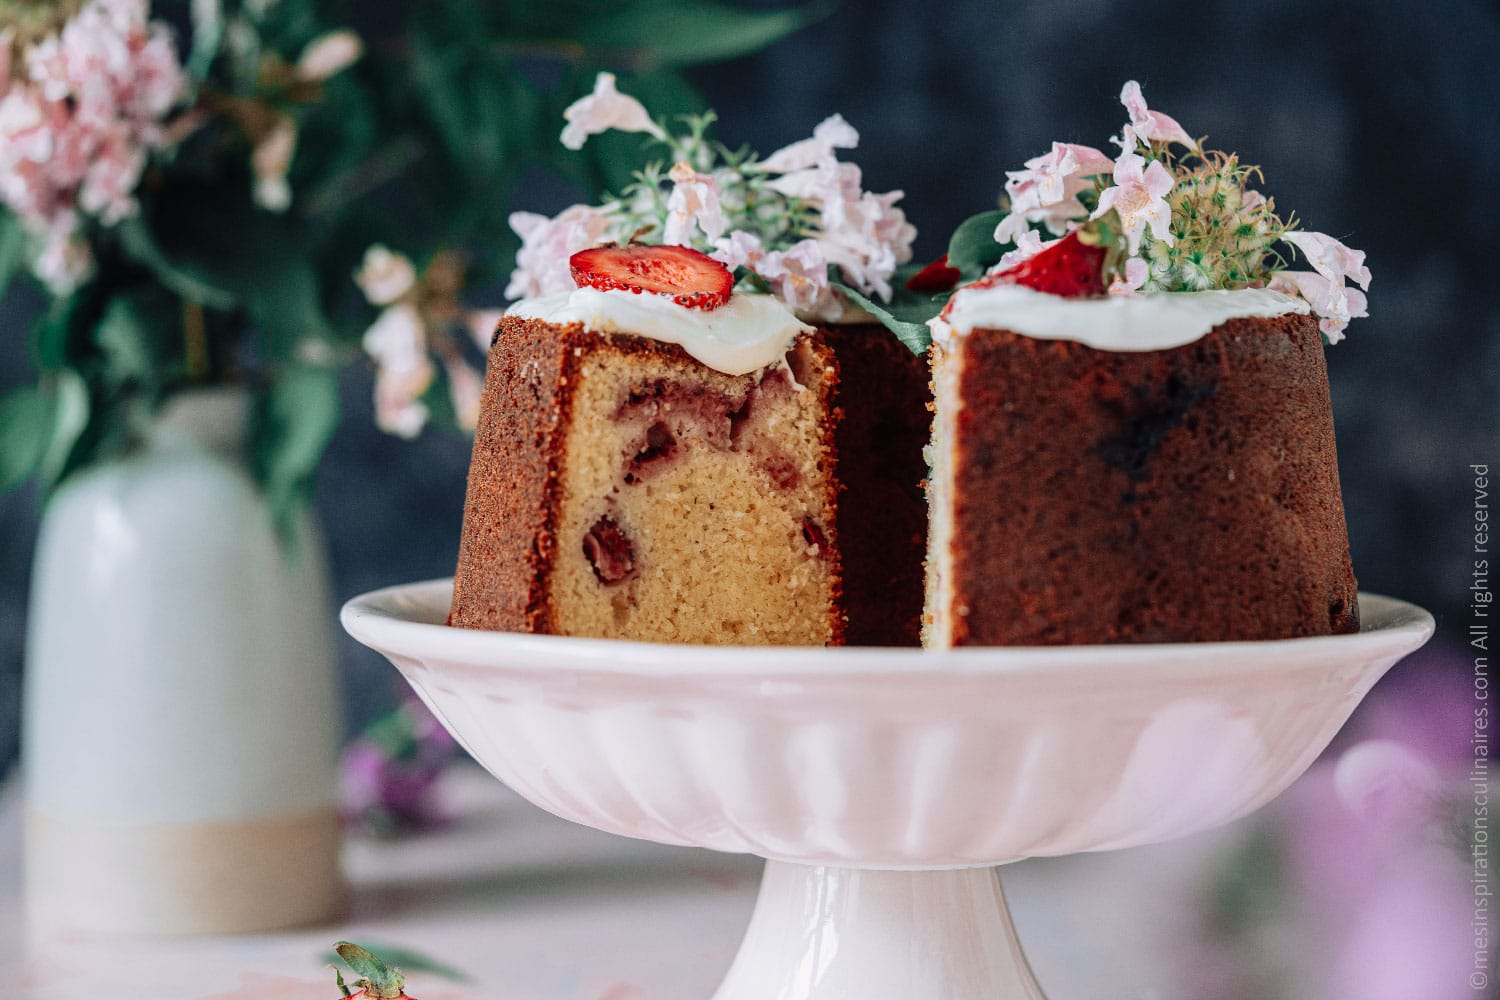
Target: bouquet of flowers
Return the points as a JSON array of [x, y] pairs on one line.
[[202, 190], [1165, 214], [797, 224]]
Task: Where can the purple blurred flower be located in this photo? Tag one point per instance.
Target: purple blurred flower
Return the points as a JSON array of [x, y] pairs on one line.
[[389, 770]]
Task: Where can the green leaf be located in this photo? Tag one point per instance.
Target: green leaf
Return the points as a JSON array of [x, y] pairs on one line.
[[410, 960], [25, 429], [972, 248], [12, 246], [138, 336], [294, 422], [687, 32], [911, 332], [140, 245], [71, 411]]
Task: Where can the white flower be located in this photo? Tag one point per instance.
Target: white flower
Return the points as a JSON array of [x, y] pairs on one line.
[[1047, 190], [465, 389], [832, 133], [328, 54], [694, 202], [798, 275], [481, 324], [738, 249], [398, 343], [546, 244], [1136, 273], [1028, 245], [606, 108], [1331, 301], [65, 260], [1139, 198], [1152, 126], [385, 276], [269, 162], [864, 234], [1330, 258]]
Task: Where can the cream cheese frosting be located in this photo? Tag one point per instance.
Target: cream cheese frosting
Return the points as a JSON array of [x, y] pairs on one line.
[[744, 335], [1153, 321]]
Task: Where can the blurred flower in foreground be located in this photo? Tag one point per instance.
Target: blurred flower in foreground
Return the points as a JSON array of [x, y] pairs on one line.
[[1355, 885], [390, 769]]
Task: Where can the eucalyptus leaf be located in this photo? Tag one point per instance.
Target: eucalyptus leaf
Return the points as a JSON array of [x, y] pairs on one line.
[[294, 422], [910, 331], [70, 416], [138, 335], [660, 33], [12, 247], [140, 245], [972, 248], [25, 428]]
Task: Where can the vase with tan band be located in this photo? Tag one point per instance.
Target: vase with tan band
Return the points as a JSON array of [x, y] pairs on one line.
[[181, 715]]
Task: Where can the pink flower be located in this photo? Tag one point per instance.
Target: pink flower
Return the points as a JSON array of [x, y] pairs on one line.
[[65, 260], [481, 325], [694, 203], [76, 129], [1331, 301], [398, 344], [465, 387], [606, 108], [270, 161], [798, 275], [832, 133], [1136, 273], [738, 249], [109, 183], [1385, 782], [1028, 245], [1047, 190], [1330, 258], [329, 54], [1139, 198], [546, 245], [1152, 126], [385, 276]]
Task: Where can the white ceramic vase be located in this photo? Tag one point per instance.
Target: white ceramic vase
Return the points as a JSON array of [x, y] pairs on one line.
[[181, 715]]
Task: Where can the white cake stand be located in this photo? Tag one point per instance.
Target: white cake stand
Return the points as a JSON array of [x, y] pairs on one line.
[[884, 785]]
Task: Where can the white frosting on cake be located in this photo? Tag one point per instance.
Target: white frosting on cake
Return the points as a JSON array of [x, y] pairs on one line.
[[1153, 321], [744, 335]]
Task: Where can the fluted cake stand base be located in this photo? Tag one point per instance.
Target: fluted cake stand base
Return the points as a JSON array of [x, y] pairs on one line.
[[885, 784]]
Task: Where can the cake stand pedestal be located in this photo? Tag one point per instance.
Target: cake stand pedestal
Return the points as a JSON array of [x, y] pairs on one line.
[[884, 785]]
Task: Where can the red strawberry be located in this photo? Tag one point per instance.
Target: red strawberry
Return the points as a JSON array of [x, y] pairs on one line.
[[935, 277], [378, 981], [1069, 267], [692, 279]]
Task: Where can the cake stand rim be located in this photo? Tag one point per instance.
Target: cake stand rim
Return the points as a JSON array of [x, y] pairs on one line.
[[400, 619]]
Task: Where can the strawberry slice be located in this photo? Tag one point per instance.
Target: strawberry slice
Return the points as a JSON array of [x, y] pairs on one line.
[[1070, 268], [935, 277], [690, 278]]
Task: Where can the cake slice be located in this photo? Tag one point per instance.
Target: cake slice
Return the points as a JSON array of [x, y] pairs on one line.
[[621, 489], [1088, 495], [1134, 437], [688, 432]]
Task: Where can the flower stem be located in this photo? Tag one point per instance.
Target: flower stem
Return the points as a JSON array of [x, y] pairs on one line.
[[195, 341]]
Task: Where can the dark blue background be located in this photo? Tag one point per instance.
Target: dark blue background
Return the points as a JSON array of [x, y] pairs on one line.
[[1376, 123]]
